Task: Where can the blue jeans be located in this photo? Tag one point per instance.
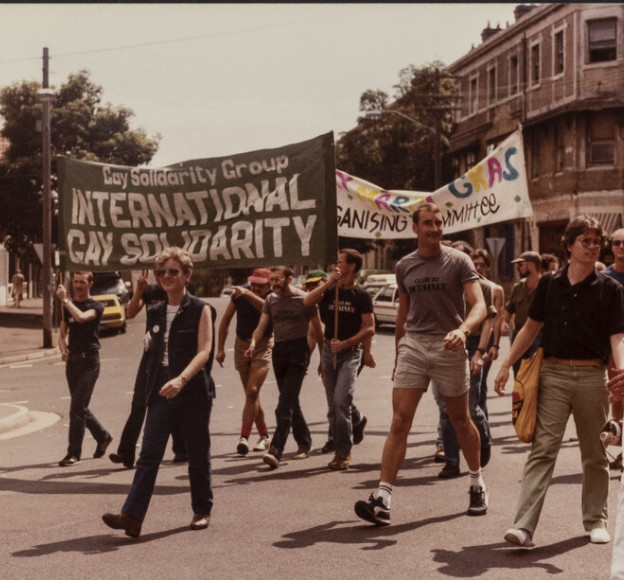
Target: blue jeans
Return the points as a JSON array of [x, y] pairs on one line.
[[290, 364], [339, 388], [81, 377], [193, 421]]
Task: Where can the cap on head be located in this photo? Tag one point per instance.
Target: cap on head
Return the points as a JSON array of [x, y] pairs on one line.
[[315, 276], [532, 257], [259, 276]]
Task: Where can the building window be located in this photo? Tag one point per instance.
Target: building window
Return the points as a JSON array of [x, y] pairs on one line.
[[601, 140], [492, 85], [473, 96], [535, 64], [559, 53], [514, 70], [601, 40]]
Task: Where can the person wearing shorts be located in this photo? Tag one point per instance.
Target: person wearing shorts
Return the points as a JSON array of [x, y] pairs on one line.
[[435, 283], [247, 302]]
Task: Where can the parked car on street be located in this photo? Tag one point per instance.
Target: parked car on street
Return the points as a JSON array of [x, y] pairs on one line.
[[386, 305], [111, 283], [114, 316], [375, 282]]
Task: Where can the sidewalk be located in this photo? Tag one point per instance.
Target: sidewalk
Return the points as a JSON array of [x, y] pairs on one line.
[[21, 332]]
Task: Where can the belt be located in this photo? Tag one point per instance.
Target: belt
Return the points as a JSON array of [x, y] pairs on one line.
[[590, 362], [76, 356]]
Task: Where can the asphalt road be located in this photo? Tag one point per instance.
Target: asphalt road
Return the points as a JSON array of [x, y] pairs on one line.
[[295, 522]]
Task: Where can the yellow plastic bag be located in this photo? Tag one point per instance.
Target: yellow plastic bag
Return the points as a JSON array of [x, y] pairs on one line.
[[524, 396]]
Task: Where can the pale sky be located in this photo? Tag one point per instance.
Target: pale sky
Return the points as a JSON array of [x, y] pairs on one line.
[[220, 79]]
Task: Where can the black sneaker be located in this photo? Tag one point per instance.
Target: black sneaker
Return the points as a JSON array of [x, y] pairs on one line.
[[373, 511], [68, 461], [478, 501], [102, 447], [358, 431], [449, 471]]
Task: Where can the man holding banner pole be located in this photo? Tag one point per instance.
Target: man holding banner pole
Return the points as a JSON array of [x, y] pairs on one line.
[[348, 316], [435, 283]]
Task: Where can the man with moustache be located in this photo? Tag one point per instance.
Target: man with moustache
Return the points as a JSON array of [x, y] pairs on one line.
[[286, 311]]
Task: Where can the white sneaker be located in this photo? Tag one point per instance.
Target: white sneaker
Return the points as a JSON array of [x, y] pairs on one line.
[[243, 446], [520, 537], [599, 536], [263, 444]]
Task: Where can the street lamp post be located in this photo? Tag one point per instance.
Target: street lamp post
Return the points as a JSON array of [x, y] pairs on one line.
[[45, 96], [435, 131]]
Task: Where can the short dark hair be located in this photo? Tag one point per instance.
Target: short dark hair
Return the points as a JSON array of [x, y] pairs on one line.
[[577, 226], [432, 207], [483, 253], [548, 259], [88, 274], [463, 247], [352, 257], [286, 270]]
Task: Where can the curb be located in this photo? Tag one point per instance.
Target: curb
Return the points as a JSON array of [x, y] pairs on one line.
[[30, 356], [12, 417]]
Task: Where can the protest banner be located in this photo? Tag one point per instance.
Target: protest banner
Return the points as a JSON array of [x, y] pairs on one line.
[[268, 207], [494, 190]]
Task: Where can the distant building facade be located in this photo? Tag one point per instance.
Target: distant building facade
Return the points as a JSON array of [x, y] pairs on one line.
[[558, 70]]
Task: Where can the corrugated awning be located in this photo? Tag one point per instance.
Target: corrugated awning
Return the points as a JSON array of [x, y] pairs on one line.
[[610, 221]]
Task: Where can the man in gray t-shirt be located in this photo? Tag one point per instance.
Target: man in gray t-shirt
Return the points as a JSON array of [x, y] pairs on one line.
[[284, 308], [434, 283]]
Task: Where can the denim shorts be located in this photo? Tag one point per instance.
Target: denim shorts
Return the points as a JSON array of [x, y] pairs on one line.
[[422, 358]]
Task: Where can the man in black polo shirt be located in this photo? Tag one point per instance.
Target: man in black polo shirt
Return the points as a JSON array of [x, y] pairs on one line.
[[581, 315], [81, 353]]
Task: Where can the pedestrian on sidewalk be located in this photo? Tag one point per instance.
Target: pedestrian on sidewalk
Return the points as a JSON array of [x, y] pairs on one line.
[[285, 310], [247, 303], [79, 344], [346, 329], [580, 314], [179, 389], [435, 282], [17, 282]]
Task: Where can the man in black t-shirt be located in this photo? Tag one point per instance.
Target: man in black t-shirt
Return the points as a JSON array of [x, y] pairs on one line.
[[80, 346], [342, 351]]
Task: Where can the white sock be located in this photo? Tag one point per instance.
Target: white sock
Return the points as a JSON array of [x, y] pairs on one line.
[[385, 493], [476, 478]]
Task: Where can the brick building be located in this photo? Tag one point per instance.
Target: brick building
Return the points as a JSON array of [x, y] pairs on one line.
[[558, 70]]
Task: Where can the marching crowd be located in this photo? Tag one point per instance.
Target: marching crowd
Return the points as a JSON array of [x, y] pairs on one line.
[[450, 321]]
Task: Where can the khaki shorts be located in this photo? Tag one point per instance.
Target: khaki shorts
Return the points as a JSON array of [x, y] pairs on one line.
[[262, 354], [422, 358]]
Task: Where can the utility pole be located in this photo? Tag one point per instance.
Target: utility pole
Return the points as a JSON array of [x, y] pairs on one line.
[[45, 96], [437, 150]]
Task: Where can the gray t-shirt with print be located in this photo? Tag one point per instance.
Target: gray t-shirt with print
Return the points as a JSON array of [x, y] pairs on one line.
[[289, 316], [435, 286]]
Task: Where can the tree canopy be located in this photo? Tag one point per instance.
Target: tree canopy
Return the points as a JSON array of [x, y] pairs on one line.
[[395, 149], [82, 127]]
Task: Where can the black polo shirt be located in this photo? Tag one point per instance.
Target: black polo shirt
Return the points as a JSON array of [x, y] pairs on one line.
[[578, 320]]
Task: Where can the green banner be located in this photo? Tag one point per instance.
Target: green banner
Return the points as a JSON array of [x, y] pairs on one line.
[[264, 208]]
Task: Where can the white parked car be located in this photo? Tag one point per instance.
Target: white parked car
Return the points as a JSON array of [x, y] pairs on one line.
[[374, 282], [386, 305]]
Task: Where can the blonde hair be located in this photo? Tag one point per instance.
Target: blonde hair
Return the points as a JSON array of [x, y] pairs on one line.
[[177, 254]]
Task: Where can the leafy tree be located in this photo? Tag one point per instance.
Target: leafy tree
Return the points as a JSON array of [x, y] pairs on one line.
[[395, 149], [82, 127]]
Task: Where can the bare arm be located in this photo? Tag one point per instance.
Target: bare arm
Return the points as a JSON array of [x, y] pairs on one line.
[[456, 339], [399, 329], [367, 331], [62, 341], [248, 295], [223, 332], [257, 335], [526, 335]]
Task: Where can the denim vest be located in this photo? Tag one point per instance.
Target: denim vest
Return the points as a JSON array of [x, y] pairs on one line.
[[182, 349]]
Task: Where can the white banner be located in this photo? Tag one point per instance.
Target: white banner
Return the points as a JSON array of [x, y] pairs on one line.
[[494, 190]]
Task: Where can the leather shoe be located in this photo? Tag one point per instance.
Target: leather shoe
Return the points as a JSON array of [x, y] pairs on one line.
[[117, 458], [68, 461], [125, 522], [102, 446], [449, 471], [200, 522]]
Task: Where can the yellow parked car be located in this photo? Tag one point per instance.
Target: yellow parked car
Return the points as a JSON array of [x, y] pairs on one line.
[[114, 316]]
